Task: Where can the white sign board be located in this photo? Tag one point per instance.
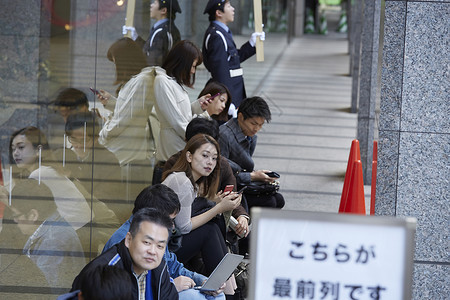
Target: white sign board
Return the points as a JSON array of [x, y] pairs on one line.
[[298, 255]]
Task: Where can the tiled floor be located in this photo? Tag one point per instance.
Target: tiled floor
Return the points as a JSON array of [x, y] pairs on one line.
[[308, 140]]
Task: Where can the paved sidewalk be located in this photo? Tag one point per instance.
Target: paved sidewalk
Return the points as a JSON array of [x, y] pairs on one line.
[[309, 138]]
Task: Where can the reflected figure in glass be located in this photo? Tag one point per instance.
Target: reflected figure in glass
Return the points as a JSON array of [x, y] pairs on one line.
[[49, 241], [163, 34], [96, 168], [31, 158], [126, 131]]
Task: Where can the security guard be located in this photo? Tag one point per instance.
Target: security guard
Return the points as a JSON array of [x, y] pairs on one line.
[[220, 55], [163, 35]]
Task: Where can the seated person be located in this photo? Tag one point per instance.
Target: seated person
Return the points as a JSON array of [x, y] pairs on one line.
[[68, 101], [47, 234], [238, 142], [103, 282], [141, 255], [164, 199], [95, 166], [30, 156], [219, 102], [211, 127]]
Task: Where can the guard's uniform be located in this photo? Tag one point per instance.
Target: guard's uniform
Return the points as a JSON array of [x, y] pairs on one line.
[[223, 60], [159, 42]]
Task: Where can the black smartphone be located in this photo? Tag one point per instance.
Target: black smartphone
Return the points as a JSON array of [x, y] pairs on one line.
[[242, 189], [96, 92], [273, 174]]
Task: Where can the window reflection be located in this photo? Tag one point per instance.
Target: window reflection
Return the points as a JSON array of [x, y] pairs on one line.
[[64, 193]]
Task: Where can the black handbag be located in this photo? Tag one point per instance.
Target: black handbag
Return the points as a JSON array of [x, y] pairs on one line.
[[262, 188]]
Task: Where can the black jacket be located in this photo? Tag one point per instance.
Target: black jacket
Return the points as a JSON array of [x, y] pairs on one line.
[[161, 39], [220, 55], [162, 287]]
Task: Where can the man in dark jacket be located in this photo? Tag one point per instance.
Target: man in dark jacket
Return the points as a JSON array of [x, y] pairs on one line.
[[163, 34], [141, 255]]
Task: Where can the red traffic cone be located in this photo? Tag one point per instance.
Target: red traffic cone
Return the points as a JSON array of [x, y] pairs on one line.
[[355, 203], [354, 155]]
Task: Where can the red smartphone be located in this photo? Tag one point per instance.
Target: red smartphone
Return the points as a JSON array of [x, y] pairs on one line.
[[228, 188]]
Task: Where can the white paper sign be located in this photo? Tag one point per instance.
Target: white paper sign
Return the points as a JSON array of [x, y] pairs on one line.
[[330, 256]]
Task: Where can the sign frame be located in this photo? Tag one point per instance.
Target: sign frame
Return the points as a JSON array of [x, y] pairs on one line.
[[406, 223]]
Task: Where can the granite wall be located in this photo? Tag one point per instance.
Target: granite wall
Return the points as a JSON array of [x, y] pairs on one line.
[[368, 83], [25, 33], [414, 144]]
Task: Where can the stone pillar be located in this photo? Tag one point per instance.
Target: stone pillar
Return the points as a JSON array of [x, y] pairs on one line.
[[414, 144], [24, 68], [368, 84], [299, 18], [357, 21]]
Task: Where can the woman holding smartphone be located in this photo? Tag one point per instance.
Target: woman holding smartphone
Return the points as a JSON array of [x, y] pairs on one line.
[[196, 173], [220, 101], [126, 132], [173, 107]]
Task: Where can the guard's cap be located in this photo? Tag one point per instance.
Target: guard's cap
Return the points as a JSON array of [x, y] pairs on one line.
[[214, 5], [167, 3]]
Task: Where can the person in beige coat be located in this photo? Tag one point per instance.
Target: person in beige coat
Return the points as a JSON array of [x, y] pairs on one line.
[[173, 107]]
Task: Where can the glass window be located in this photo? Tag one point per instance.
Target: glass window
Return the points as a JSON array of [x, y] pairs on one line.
[[79, 131]]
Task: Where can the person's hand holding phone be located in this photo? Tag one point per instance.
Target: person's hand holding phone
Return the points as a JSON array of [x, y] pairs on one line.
[[204, 101], [102, 95], [261, 175], [230, 201]]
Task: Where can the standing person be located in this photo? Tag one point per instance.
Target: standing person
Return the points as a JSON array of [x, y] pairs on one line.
[[196, 173], [173, 107], [126, 132], [141, 255], [221, 56], [163, 34]]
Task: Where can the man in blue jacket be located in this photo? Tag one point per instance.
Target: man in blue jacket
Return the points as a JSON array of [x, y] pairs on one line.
[[220, 55], [165, 200], [141, 255]]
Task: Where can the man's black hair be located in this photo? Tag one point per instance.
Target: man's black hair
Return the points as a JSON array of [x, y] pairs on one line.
[[79, 119], [202, 125], [159, 197], [255, 107], [151, 215], [106, 283], [71, 97]]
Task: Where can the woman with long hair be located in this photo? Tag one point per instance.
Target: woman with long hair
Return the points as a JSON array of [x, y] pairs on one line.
[[126, 132], [31, 158], [220, 101], [173, 107], [196, 173]]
